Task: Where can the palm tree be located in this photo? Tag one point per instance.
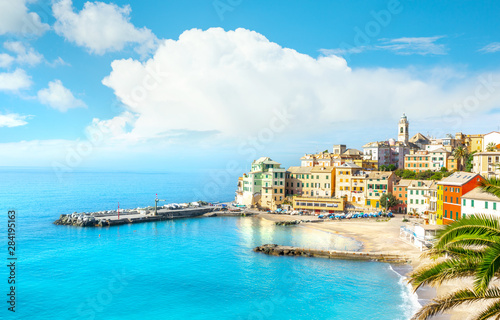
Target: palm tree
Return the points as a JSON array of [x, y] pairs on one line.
[[491, 147], [461, 154], [468, 248]]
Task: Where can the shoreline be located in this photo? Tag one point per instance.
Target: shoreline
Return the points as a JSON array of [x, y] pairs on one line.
[[382, 234]]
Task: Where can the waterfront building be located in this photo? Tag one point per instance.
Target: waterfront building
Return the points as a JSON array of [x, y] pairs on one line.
[[477, 202], [491, 139], [319, 205], [400, 191], [263, 186], [432, 213], [377, 184], [310, 181], [487, 164], [419, 196], [350, 183], [453, 188]]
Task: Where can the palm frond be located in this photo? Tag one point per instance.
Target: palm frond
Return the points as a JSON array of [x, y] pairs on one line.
[[485, 226], [472, 240], [437, 273], [489, 312], [491, 186], [488, 267], [452, 300]]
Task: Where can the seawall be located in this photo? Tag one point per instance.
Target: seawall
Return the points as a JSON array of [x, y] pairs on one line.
[[277, 250]]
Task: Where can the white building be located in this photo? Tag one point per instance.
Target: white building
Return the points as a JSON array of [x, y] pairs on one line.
[[491, 138], [478, 202], [419, 196]]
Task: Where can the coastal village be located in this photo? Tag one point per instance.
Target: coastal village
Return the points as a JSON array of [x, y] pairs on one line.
[[435, 179]]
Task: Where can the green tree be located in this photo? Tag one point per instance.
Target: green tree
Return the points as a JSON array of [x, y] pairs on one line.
[[468, 164], [468, 248], [408, 174], [461, 154], [443, 169], [424, 175], [399, 172], [491, 147], [436, 176], [388, 200]]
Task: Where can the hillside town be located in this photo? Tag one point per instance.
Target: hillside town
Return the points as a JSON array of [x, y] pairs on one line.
[[436, 179]]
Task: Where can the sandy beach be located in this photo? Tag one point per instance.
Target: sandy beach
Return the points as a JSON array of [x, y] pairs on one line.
[[381, 236]]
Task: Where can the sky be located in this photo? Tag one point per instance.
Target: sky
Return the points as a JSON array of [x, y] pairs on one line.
[[195, 85]]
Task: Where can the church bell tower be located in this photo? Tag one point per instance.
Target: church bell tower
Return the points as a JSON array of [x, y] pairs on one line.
[[403, 135]]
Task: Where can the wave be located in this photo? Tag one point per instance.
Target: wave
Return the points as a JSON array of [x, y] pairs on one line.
[[410, 303]]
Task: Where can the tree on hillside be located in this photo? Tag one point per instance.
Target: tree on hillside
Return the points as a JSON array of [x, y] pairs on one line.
[[388, 200], [408, 174], [399, 172], [467, 248], [443, 169], [436, 176], [461, 154], [424, 175]]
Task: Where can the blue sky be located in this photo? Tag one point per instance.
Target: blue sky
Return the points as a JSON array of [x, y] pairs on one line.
[[344, 72]]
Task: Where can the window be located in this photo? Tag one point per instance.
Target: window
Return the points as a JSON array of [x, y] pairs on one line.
[[486, 204], [326, 177], [411, 201], [465, 203], [494, 205], [275, 190], [307, 185], [456, 215], [446, 213], [472, 203], [457, 201], [400, 195], [446, 199]]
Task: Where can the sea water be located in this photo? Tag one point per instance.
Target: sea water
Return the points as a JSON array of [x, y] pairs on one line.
[[201, 268]]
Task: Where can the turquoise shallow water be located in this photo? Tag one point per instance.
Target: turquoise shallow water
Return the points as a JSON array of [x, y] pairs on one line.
[[185, 269]]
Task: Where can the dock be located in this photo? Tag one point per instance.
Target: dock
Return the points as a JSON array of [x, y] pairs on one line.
[[130, 216]]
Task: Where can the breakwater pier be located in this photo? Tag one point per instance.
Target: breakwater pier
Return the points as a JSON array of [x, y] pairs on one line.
[[277, 250], [113, 218]]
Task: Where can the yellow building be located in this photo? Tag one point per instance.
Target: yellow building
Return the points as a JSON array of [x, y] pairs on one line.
[[350, 183], [452, 164], [487, 164], [437, 217], [474, 142], [310, 181], [377, 184], [319, 205]]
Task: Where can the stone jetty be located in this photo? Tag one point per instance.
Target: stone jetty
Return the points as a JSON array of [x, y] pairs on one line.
[[277, 250], [129, 217]]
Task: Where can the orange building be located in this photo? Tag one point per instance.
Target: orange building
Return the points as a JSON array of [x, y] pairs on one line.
[[400, 191], [454, 186]]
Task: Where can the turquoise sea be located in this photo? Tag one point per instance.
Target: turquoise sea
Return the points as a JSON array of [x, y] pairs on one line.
[[201, 268]]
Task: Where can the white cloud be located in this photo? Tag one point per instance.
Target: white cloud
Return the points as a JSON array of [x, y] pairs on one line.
[[491, 48], [11, 120], [231, 82], [101, 27], [58, 97], [14, 81], [401, 46], [25, 54], [6, 60], [417, 45], [15, 18]]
